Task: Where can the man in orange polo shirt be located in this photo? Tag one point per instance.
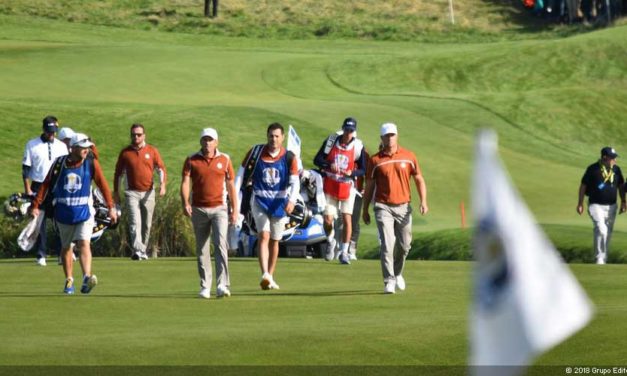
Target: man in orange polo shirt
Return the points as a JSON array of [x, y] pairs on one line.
[[388, 177], [138, 162], [209, 174]]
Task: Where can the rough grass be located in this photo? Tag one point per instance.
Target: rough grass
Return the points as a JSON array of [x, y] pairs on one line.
[[303, 19]]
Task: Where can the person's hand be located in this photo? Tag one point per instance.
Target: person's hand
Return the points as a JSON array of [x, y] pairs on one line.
[[187, 210], [623, 207], [348, 173], [289, 208], [233, 218], [424, 208], [29, 192], [580, 209], [366, 217], [113, 214], [333, 168], [35, 212], [162, 190]]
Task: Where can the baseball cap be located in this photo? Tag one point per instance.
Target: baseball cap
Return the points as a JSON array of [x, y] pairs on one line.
[[66, 132], [210, 132], [609, 152], [350, 124], [50, 124], [81, 140], [388, 128]]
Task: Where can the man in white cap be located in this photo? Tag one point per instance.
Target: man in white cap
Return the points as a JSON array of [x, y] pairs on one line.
[[138, 163], [70, 186], [208, 175], [601, 182], [65, 135], [39, 155], [388, 178]]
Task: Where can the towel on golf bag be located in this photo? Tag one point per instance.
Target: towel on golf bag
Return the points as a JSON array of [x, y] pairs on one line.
[[28, 237]]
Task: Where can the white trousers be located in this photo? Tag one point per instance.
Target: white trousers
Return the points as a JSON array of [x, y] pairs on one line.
[[603, 217]]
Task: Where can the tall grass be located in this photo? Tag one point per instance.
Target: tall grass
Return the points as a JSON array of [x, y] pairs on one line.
[[304, 19]]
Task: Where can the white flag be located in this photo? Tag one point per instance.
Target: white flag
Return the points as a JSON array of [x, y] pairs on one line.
[[525, 298], [293, 145]]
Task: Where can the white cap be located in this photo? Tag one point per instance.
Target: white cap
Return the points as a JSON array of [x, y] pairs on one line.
[[66, 132], [209, 132], [387, 128], [81, 140]]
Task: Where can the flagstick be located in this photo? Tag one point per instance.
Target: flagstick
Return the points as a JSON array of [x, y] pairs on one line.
[[463, 213], [450, 7]]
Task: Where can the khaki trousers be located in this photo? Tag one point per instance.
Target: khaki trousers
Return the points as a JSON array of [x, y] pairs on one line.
[[211, 226], [394, 225], [140, 207]]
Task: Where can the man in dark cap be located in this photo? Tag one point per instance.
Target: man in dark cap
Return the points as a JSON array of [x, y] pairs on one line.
[[601, 181], [39, 155], [341, 159]]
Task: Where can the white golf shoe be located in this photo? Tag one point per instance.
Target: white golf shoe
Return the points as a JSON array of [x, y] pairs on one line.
[[400, 282], [390, 287]]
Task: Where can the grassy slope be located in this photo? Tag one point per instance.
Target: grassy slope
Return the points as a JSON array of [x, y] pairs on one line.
[[303, 19], [328, 315], [99, 80]]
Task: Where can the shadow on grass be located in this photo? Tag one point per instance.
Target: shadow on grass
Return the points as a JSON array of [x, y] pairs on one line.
[[274, 294]]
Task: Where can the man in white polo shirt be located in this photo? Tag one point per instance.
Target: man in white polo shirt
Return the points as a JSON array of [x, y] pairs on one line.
[[39, 155]]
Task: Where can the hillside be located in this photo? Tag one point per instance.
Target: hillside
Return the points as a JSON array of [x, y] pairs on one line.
[[475, 20], [554, 102]]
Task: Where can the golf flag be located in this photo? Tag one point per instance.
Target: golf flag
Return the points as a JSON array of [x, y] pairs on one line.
[[293, 145], [525, 298]]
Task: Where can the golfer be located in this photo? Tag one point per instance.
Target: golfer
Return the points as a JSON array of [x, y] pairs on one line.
[[388, 179]]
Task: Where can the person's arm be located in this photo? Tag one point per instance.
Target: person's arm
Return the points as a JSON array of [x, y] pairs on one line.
[[185, 184], [320, 160], [26, 180], [232, 192], [101, 183], [621, 191], [360, 165], [41, 194], [119, 169], [582, 192], [421, 186], [368, 193], [26, 166], [160, 167], [185, 187]]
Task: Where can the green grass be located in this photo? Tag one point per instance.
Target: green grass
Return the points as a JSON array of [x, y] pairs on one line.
[[306, 19], [325, 314], [552, 114]]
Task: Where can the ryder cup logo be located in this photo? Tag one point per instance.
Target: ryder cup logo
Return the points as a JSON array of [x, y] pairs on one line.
[[73, 183], [341, 161], [271, 176]]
